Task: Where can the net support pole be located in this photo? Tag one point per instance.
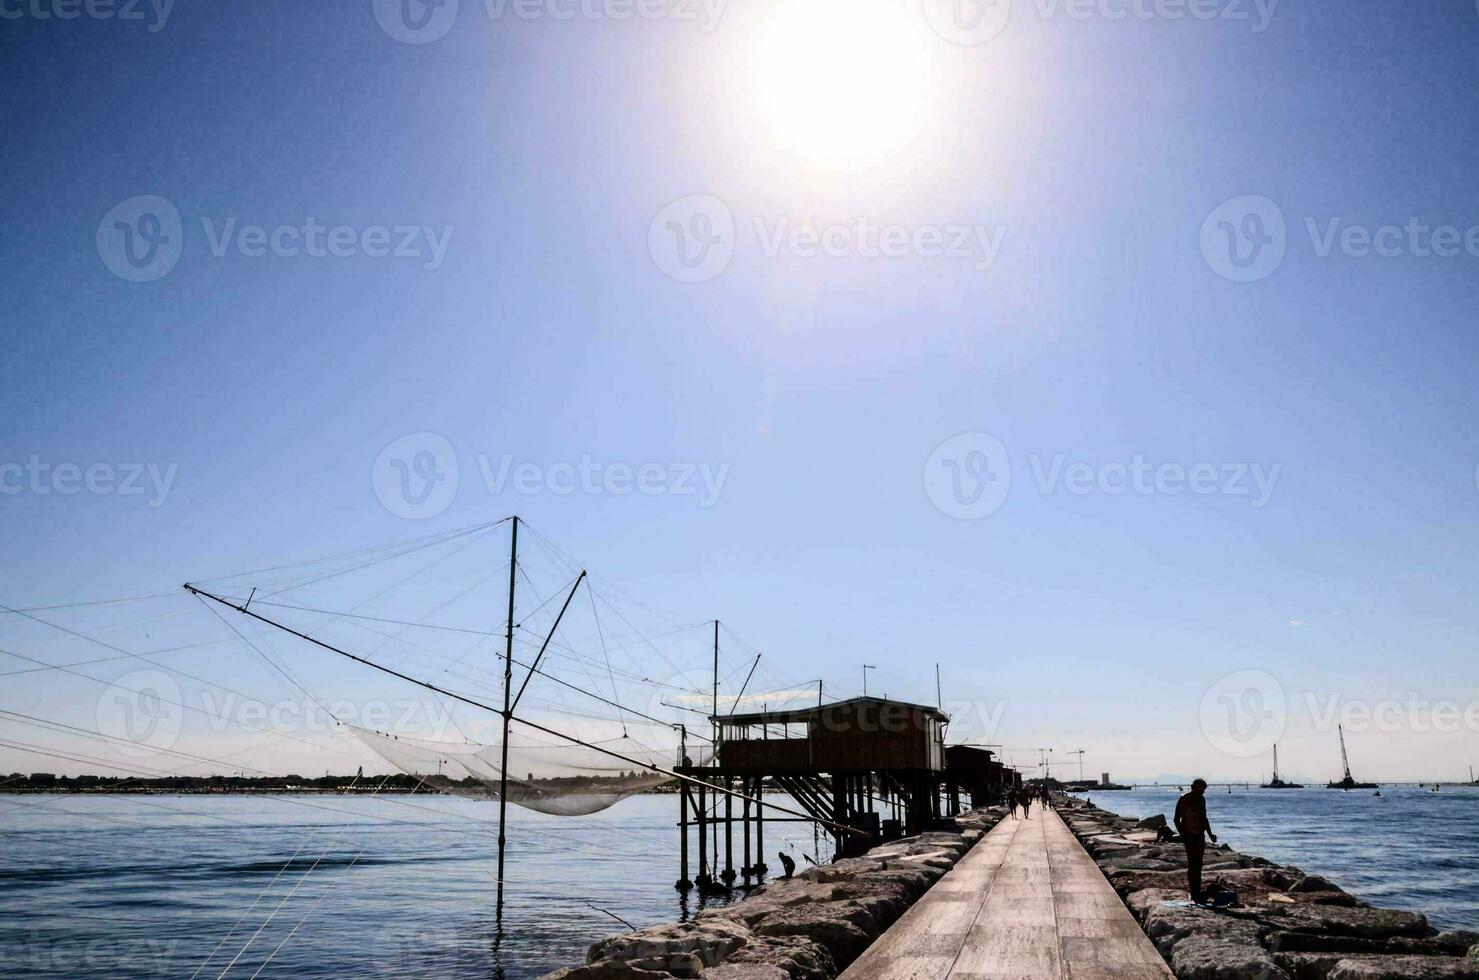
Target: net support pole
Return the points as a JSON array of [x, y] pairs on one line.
[[759, 866], [508, 680], [728, 834], [745, 868], [683, 883], [701, 811]]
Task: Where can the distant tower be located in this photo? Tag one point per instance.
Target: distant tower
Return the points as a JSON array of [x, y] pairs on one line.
[[1104, 779]]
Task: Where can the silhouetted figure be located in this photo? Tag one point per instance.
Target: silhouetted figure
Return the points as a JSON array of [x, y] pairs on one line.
[[1163, 835], [788, 866], [1026, 804], [1012, 800], [1191, 821]]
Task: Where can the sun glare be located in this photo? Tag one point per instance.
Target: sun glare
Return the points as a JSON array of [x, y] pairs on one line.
[[841, 83]]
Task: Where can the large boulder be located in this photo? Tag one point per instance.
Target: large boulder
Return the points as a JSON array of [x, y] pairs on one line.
[[746, 971], [1208, 958], [799, 957], [1135, 863], [1313, 883], [1406, 968], [843, 938], [675, 948], [1169, 923], [1457, 941], [1359, 921], [606, 971], [1141, 902]]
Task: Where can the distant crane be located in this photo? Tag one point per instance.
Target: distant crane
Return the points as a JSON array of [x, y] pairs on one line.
[[1080, 754], [866, 668]]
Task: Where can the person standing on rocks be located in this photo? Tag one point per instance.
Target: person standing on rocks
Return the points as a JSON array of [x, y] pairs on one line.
[[1194, 827], [788, 866]]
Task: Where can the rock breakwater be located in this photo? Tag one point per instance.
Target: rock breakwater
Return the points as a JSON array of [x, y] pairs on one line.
[[809, 927], [1286, 924]]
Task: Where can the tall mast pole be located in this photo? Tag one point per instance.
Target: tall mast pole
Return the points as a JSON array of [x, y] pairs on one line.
[[508, 680], [715, 735]]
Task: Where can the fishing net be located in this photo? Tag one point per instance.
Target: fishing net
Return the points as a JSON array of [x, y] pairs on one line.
[[564, 780]]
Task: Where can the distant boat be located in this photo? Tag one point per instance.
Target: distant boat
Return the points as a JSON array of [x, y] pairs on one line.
[[1348, 782], [1276, 782]]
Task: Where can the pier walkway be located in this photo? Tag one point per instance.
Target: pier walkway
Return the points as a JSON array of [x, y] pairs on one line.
[[1026, 903]]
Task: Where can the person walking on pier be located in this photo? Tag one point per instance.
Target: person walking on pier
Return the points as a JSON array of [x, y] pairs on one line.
[[1012, 801], [1027, 803], [1192, 823]]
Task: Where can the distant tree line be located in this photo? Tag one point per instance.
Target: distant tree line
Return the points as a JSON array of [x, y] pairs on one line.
[[52, 783]]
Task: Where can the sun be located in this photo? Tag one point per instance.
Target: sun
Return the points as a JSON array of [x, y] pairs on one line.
[[841, 83]]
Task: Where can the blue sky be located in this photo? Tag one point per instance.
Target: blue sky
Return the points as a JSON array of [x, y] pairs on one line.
[[541, 151]]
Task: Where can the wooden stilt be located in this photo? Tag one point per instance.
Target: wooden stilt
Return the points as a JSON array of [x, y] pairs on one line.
[[728, 833], [702, 813], [745, 869], [760, 866], [683, 883]]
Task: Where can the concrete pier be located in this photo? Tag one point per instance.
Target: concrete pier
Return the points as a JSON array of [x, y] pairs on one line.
[[1026, 903]]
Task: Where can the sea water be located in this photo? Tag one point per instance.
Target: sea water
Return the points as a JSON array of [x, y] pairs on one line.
[[138, 886]]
